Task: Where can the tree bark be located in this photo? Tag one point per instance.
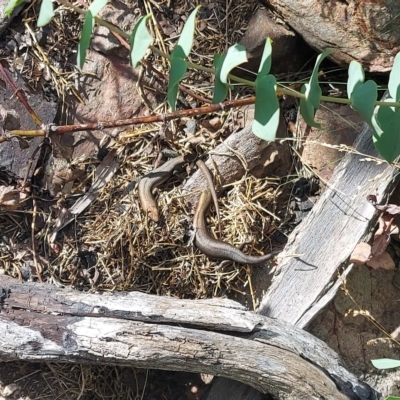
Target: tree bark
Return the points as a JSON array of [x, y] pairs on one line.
[[42, 322]]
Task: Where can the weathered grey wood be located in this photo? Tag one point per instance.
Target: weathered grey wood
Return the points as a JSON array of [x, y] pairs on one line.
[[341, 218], [43, 322]]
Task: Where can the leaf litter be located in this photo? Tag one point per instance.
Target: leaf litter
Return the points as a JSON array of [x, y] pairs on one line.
[[375, 255]]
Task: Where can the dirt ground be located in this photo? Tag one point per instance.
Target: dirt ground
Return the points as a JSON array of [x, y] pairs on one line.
[[355, 325]]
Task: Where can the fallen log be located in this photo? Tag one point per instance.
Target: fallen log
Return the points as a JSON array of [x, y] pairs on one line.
[[46, 323]]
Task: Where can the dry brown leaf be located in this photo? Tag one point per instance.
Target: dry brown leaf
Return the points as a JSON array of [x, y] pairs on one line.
[[392, 209], [11, 198], [361, 254], [384, 261], [380, 244], [383, 223]]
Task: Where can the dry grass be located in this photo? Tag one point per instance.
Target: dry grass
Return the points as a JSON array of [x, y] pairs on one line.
[[129, 251], [112, 245], [34, 381]]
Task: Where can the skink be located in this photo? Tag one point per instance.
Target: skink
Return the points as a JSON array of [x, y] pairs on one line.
[[154, 179], [207, 174], [218, 249]]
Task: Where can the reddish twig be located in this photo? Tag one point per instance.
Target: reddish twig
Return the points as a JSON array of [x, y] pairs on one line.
[[59, 130], [21, 97]]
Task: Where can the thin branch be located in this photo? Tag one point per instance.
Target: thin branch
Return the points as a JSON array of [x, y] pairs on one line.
[[59, 130]]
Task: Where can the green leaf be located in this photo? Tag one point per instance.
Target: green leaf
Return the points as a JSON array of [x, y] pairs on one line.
[[220, 89], [12, 4], [394, 79], [376, 127], [363, 98], [139, 40], [387, 142], [265, 64], [46, 13], [313, 92], [385, 363], [356, 77], [392, 398], [96, 6], [178, 70], [178, 62], [235, 56], [84, 42], [266, 116], [186, 39], [307, 110]]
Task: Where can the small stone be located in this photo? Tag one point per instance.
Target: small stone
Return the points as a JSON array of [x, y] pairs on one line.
[[207, 378], [10, 389]]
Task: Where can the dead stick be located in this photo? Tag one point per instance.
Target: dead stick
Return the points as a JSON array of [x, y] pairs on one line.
[[59, 130]]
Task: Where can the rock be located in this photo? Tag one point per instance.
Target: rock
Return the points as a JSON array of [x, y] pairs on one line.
[[365, 31], [119, 15], [4, 20], [15, 154], [340, 125], [10, 389], [289, 52], [109, 89], [104, 41]]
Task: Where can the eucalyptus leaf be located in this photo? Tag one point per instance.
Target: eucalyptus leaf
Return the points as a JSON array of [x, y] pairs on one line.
[[235, 56], [313, 92], [12, 4], [46, 13], [356, 77], [363, 98], [307, 110], [266, 59], [178, 70], [385, 363], [266, 116], [388, 141], [178, 56], [186, 39], [220, 89], [394, 79], [139, 40], [84, 42]]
